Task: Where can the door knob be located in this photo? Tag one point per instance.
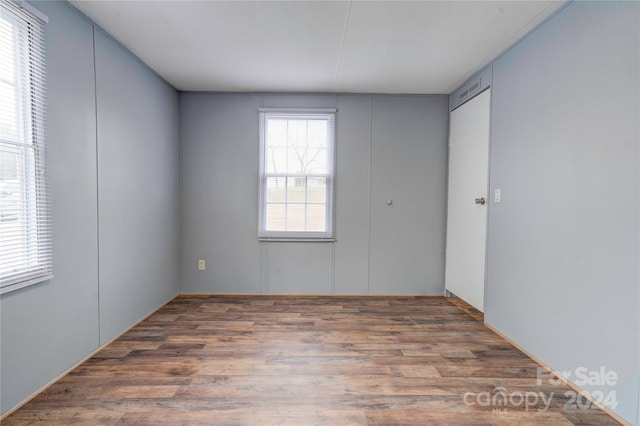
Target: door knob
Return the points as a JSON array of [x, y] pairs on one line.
[[481, 201]]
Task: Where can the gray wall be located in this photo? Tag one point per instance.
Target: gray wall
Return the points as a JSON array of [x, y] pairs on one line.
[[137, 188], [389, 147], [124, 186], [564, 244]]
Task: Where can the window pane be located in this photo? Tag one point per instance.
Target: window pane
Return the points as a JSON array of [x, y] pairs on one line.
[[276, 132], [317, 190], [275, 220], [276, 159], [276, 190], [12, 209], [307, 160], [295, 217], [297, 134], [316, 160], [296, 190], [318, 133], [7, 43], [316, 217], [9, 162], [296, 160], [8, 112], [10, 203]]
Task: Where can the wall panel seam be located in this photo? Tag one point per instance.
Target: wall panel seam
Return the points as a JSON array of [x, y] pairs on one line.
[[95, 100], [370, 185]]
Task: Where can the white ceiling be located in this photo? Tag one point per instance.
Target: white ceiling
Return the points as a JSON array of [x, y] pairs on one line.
[[317, 46]]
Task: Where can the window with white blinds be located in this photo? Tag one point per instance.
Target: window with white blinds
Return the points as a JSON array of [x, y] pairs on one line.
[[297, 175], [25, 215]]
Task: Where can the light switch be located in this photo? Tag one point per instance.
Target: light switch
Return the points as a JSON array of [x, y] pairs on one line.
[[201, 265], [497, 195]]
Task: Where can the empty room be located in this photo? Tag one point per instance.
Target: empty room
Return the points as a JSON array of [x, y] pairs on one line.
[[319, 212]]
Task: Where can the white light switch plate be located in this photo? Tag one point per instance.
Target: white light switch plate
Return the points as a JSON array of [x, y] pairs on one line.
[[201, 265], [497, 196]]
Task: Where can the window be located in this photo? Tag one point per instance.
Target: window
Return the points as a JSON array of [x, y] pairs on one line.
[[25, 228], [297, 175]]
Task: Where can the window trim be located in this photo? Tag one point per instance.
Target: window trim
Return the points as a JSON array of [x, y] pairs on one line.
[[310, 236]]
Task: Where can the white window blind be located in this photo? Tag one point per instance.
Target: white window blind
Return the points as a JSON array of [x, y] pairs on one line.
[[25, 215], [297, 175]]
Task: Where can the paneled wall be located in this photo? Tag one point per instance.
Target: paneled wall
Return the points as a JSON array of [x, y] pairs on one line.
[[112, 139], [137, 188], [388, 148], [563, 278]]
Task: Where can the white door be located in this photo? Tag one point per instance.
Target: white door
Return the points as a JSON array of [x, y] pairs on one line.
[[468, 200]]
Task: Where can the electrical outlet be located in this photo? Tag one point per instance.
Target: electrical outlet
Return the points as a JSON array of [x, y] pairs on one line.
[[201, 265]]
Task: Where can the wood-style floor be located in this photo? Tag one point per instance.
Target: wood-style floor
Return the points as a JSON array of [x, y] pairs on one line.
[[273, 360]]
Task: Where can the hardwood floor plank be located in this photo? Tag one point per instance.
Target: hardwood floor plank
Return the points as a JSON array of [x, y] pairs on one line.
[[307, 360], [95, 417], [111, 391]]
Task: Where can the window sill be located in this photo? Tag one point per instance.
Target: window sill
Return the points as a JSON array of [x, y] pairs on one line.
[[296, 240]]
